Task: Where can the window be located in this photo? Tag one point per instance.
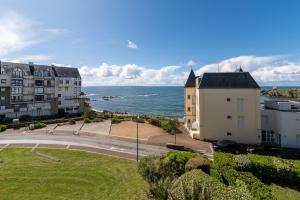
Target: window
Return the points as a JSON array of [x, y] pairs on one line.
[[79, 83], [2, 98], [228, 99], [3, 81], [241, 122], [2, 108], [229, 134], [59, 103], [189, 109], [75, 83], [59, 95], [2, 89], [189, 121], [61, 82], [228, 117], [48, 83], [189, 96], [67, 81], [2, 70], [38, 74], [264, 119], [17, 82], [267, 136], [39, 90], [39, 97], [39, 83], [16, 90], [17, 73], [240, 104]]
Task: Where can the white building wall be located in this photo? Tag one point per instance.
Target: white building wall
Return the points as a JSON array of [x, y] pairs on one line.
[[287, 124]]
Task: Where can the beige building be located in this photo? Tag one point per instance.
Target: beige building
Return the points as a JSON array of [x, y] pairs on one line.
[[223, 106]]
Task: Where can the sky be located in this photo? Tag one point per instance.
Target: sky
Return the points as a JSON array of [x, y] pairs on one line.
[[155, 42]]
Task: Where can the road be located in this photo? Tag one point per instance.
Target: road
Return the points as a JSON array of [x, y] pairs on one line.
[[99, 144]]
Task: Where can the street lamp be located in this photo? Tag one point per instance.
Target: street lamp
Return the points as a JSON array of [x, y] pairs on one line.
[[137, 138]]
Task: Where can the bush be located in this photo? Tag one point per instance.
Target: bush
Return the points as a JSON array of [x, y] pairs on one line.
[[147, 168], [39, 125], [255, 187], [198, 163], [224, 160], [115, 120], [87, 120], [243, 163], [198, 185], [3, 128], [154, 121], [71, 122]]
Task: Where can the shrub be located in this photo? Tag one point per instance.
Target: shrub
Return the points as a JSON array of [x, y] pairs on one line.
[[98, 120], [87, 120], [243, 163], [72, 121], [198, 185], [224, 160], [39, 125], [154, 121], [237, 179], [147, 168], [3, 128], [198, 163], [115, 120]]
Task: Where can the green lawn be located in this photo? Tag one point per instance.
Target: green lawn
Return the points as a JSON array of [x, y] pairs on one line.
[[78, 175]]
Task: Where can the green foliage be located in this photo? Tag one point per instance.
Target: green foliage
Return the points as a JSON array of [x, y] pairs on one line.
[[258, 189], [243, 163], [115, 120], [224, 160], [3, 128], [196, 185], [39, 125], [87, 120], [198, 163], [154, 121]]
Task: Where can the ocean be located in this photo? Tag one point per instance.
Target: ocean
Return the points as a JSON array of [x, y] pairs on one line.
[[162, 100]]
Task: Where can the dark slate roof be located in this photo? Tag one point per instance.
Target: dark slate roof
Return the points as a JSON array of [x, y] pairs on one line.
[[66, 72], [228, 80], [191, 81]]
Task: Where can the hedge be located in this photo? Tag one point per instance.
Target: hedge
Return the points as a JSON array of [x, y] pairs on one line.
[[39, 125], [198, 185], [198, 163], [256, 188], [3, 128], [266, 168]]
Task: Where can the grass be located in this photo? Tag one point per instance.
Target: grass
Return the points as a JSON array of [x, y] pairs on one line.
[[79, 175]]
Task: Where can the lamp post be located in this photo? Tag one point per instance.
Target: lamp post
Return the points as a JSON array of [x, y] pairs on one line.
[[137, 138]]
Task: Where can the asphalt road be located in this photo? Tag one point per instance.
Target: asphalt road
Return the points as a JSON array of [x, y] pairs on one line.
[[103, 144]]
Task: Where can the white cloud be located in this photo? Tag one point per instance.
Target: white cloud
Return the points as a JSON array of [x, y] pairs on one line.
[[16, 33], [131, 74], [264, 69], [191, 63], [28, 58], [131, 45]]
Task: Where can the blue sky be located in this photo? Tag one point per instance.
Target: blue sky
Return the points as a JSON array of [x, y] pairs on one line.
[[143, 42]]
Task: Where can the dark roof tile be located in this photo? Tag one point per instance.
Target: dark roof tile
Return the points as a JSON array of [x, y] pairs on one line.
[[228, 80], [191, 81]]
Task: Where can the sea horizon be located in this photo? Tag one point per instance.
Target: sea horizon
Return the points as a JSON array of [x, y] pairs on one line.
[[152, 100]]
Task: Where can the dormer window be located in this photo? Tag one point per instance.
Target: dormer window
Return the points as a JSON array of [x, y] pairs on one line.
[[2, 70], [17, 73], [38, 74]]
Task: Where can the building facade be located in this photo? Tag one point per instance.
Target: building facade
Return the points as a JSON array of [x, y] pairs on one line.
[[35, 90], [227, 107], [280, 121]]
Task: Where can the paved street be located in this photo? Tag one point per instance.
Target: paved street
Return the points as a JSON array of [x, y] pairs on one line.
[[103, 144]]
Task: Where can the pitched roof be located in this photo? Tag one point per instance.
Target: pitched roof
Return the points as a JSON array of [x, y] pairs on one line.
[[191, 81], [66, 72], [228, 80]]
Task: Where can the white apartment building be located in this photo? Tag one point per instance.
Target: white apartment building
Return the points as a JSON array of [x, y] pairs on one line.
[[281, 123], [35, 90]]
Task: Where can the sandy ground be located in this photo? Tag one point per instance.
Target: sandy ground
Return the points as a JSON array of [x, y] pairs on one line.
[[68, 127], [101, 128], [128, 129]]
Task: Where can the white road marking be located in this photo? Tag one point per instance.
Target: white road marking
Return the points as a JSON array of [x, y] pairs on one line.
[[4, 147], [35, 146]]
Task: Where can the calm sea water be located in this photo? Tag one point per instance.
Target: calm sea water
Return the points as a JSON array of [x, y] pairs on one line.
[[164, 101]]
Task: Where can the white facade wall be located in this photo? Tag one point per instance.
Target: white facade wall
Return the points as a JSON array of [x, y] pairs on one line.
[[285, 123]]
